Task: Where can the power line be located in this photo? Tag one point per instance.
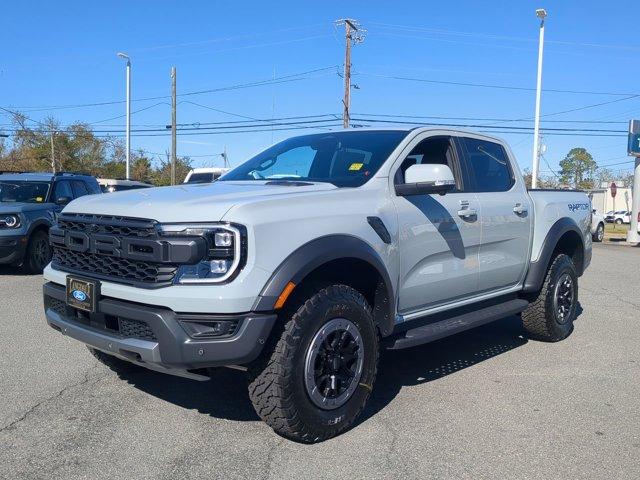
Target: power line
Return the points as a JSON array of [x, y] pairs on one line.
[[495, 37], [484, 119], [494, 86], [277, 80]]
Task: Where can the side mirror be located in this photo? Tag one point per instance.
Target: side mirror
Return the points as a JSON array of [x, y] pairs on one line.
[[426, 178], [63, 200]]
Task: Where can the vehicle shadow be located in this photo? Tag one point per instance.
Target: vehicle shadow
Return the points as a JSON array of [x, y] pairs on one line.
[[225, 396], [15, 271]]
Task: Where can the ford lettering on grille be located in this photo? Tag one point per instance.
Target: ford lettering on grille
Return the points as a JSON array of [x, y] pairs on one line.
[[131, 254]]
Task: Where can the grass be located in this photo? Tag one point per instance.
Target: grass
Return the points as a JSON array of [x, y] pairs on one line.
[[611, 230]]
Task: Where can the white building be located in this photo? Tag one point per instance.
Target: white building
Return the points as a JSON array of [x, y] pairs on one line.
[[603, 202]]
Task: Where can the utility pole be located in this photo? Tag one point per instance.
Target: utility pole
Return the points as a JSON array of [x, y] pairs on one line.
[[173, 126], [53, 156], [225, 159], [354, 33], [633, 236], [541, 14], [126, 57]]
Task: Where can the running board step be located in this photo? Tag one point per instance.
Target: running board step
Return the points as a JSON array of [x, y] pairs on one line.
[[460, 323]]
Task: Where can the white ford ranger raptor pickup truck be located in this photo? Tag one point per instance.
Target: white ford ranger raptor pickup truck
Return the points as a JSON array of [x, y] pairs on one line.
[[304, 262]]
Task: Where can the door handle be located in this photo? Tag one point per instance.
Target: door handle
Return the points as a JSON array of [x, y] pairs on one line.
[[519, 209], [467, 212]]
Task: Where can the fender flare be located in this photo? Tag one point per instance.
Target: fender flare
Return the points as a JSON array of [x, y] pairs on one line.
[[314, 254], [538, 269], [38, 223]]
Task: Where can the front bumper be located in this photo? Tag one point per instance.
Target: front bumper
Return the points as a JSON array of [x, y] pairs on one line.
[[158, 341], [12, 249]]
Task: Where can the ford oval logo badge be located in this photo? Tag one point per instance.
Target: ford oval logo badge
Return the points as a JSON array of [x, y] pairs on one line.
[[79, 295]]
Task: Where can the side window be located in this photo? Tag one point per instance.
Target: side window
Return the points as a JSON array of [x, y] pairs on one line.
[[489, 165], [79, 189], [92, 186], [433, 150], [62, 188]]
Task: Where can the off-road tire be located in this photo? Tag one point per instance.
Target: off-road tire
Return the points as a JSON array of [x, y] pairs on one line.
[[598, 236], [38, 253], [540, 319], [276, 380], [113, 363]]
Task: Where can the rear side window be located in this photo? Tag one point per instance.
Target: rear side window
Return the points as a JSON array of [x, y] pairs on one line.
[[61, 189], [79, 189], [488, 164], [92, 186]]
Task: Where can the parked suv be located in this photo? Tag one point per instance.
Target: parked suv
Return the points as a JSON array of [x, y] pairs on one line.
[[110, 185], [29, 203], [302, 263], [205, 174]]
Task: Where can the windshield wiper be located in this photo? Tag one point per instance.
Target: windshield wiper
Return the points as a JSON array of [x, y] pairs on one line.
[[290, 183]]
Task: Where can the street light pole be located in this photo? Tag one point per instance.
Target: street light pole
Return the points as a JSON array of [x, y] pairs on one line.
[[541, 14], [128, 134]]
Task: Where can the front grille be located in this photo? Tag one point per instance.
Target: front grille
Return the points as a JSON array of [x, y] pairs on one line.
[[109, 225], [58, 306], [135, 329], [118, 249], [120, 269]]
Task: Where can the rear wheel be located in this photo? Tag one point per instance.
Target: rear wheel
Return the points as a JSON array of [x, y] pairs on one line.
[[598, 236], [316, 378], [38, 253], [550, 315], [618, 221]]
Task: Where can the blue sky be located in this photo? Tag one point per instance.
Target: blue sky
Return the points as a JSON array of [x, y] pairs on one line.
[[58, 54]]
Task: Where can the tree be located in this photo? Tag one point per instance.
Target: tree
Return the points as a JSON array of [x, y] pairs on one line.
[[578, 169], [162, 175], [604, 175], [76, 148], [543, 181]]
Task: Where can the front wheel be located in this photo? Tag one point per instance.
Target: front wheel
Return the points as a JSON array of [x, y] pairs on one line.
[[549, 317], [316, 378], [38, 254], [598, 236], [618, 221]]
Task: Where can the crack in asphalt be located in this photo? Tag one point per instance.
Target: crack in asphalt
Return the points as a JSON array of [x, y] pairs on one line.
[[30, 410], [611, 293], [271, 457]]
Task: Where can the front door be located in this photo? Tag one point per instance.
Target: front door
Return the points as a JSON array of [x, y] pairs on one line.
[[439, 235]]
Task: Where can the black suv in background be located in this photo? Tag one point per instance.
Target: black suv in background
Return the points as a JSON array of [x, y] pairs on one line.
[[29, 203]]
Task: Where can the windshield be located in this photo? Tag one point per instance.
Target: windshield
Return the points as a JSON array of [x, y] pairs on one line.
[[21, 191], [345, 159]]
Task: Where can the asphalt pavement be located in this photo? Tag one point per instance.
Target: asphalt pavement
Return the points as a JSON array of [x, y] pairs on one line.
[[488, 403]]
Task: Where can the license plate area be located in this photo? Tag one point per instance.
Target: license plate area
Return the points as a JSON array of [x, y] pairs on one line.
[[83, 293]]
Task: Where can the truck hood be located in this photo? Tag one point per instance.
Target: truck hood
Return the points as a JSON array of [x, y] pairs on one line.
[[17, 207], [206, 202]]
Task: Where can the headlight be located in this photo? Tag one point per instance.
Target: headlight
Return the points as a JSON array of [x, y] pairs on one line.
[[9, 221], [225, 257]]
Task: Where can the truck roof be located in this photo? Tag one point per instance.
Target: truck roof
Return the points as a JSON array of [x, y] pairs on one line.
[[38, 176], [418, 129], [33, 176]]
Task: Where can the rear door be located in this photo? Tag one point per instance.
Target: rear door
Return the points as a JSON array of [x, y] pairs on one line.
[[439, 234], [505, 214]]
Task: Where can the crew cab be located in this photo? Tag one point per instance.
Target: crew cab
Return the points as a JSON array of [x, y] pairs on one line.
[[29, 203], [302, 263]]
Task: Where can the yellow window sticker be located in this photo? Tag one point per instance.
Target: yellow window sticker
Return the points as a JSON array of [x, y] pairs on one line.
[[355, 167]]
